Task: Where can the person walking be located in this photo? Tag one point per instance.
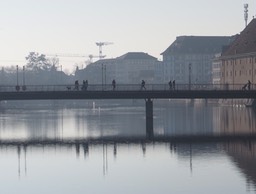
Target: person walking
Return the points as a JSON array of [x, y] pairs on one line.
[[170, 85], [83, 86], [173, 84], [114, 84], [249, 85], [143, 85]]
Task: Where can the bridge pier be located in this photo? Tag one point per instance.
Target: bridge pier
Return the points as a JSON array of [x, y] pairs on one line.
[[149, 118]]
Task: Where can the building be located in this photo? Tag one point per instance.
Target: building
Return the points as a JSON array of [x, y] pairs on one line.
[[129, 68], [216, 73], [239, 60], [189, 58]]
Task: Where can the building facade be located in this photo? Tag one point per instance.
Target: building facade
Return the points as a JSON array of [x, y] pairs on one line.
[[239, 60], [216, 73], [129, 68], [189, 58]]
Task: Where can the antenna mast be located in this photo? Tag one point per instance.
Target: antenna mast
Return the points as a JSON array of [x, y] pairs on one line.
[[246, 13]]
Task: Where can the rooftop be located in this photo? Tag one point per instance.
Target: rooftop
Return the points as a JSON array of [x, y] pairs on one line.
[[245, 42], [198, 45], [136, 55]]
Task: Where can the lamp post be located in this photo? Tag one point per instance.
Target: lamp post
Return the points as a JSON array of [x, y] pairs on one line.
[[17, 85], [103, 75], [105, 68], [24, 85], [189, 76], [17, 73], [61, 73]]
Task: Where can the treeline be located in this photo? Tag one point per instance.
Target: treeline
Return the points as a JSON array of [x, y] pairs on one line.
[[38, 70]]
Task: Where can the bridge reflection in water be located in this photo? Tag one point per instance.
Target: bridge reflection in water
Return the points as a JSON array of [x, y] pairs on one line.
[[242, 151]]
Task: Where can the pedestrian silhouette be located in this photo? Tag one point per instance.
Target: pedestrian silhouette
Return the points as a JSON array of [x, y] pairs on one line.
[[170, 85], [173, 84], [76, 85], [85, 85], [143, 85], [114, 84], [249, 84], [244, 87]]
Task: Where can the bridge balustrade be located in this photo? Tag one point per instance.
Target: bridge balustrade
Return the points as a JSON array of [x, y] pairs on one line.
[[124, 87]]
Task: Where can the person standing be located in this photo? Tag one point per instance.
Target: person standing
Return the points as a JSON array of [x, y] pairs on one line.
[[85, 85], [76, 85]]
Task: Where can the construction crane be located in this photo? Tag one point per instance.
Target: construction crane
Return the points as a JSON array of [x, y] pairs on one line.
[[75, 55], [100, 44]]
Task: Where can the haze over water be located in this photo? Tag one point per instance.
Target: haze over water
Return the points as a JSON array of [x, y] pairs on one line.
[[127, 167]]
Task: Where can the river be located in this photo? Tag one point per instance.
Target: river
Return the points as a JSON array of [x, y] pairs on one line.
[[39, 153]]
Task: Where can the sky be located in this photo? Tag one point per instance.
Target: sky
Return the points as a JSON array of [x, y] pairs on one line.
[[72, 27]]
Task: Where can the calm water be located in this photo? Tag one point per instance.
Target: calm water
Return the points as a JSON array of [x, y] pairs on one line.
[[126, 167]]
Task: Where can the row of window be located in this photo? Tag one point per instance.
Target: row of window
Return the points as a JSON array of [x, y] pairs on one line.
[[240, 73], [240, 61]]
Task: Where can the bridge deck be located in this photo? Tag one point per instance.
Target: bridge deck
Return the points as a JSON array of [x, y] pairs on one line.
[[156, 91], [126, 140], [179, 94]]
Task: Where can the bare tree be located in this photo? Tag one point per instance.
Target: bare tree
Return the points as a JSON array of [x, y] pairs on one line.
[[36, 62]]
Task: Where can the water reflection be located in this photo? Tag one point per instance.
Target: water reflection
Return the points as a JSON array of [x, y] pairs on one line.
[[194, 142], [237, 121], [188, 120], [198, 119], [191, 156], [243, 155], [170, 120]]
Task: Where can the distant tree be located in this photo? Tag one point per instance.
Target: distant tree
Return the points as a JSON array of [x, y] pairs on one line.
[[36, 62], [54, 63], [10, 69]]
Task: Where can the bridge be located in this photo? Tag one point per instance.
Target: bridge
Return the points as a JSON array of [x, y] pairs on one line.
[[128, 91]]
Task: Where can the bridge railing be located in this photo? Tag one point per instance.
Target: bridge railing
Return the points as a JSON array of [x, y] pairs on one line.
[[123, 87]]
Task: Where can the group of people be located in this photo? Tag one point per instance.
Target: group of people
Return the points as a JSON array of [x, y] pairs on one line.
[[142, 87], [84, 86], [172, 85]]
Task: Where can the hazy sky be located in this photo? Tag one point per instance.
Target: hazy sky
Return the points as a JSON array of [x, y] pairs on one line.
[[73, 26]]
